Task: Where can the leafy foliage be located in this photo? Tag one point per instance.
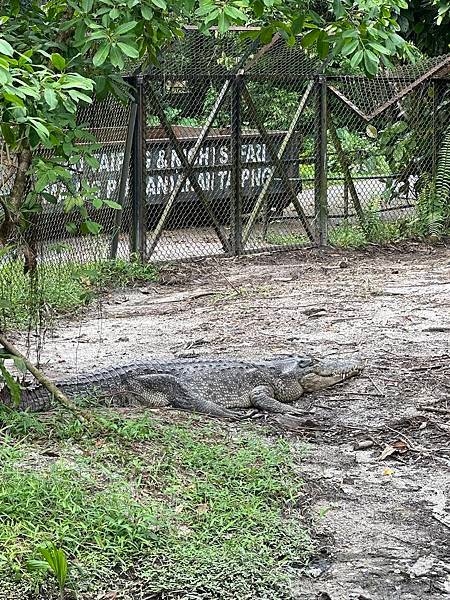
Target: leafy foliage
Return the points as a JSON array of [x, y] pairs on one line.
[[432, 213], [426, 23]]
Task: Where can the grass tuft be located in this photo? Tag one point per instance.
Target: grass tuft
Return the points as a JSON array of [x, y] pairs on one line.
[[61, 288], [184, 510]]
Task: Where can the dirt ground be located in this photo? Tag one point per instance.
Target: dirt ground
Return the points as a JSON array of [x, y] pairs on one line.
[[383, 526]]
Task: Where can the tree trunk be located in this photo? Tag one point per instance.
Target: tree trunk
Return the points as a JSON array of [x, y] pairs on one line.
[[17, 195]]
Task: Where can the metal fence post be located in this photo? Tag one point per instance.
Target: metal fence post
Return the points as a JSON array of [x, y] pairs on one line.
[[236, 168], [138, 196], [320, 188], [118, 215]]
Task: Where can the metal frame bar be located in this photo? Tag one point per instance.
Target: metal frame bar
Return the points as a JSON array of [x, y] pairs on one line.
[[276, 160], [349, 103], [159, 229], [346, 172], [236, 168], [138, 229], [320, 172], [188, 169]]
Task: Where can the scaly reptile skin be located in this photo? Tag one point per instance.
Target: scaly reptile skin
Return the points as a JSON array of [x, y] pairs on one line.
[[206, 385]]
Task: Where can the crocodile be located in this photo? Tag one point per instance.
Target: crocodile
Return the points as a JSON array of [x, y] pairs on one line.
[[210, 385]]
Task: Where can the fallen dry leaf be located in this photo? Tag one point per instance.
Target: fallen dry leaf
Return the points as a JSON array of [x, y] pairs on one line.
[[388, 451], [388, 471]]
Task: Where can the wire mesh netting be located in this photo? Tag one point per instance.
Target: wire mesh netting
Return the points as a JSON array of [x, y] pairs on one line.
[[231, 147]]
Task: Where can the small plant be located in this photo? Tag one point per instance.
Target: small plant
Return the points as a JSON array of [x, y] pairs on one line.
[[348, 236], [55, 561], [286, 239], [377, 230], [431, 213]]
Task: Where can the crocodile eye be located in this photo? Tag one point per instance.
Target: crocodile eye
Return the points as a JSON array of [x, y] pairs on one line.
[[304, 361]]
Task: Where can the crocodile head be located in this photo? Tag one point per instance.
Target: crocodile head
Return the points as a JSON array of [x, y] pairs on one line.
[[312, 374], [324, 373]]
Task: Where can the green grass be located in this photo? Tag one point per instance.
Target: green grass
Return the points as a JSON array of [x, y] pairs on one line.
[[184, 510], [347, 236], [61, 287], [286, 239]]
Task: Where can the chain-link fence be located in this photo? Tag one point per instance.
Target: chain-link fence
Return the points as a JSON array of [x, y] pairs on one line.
[[228, 147]]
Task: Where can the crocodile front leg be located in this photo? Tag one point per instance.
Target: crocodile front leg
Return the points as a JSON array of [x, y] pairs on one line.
[[159, 388], [262, 398]]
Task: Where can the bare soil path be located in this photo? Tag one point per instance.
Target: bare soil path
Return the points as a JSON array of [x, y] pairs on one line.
[[380, 511]]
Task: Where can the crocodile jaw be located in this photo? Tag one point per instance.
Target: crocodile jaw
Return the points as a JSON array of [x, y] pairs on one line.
[[326, 374]]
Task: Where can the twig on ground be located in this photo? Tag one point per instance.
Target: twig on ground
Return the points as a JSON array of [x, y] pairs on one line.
[[435, 409], [375, 385]]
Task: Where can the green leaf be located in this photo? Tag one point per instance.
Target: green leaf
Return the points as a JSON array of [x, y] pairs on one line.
[[76, 81], [42, 182], [310, 38], [51, 98], [379, 48], [91, 227], [101, 55], [323, 45], [338, 9], [356, 58], [99, 35], [371, 62], [19, 364], [5, 76], [92, 162], [114, 13], [235, 13], [371, 131], [223, 23], [28, 91], [125, 28], [40, 129], [146, 12], [87, 5], [77, 96], [6, 48], [297, 24], [37, 565], [49, 197], [8, 134], [160, 4], [58, 61], [128, 50], [350, 46], [57, 562], [116, 58], [11, 384], [97, 203], [113, 204]]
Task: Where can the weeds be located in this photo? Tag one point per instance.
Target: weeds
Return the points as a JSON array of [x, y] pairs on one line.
[[286, 239], [61, 287], [181, 510], [432, 214]]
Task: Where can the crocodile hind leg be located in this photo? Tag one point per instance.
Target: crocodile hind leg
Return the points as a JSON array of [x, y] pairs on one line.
[[262, 398], [164, 390]]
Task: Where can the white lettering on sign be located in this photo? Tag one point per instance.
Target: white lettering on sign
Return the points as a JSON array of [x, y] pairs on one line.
[[164, 168]]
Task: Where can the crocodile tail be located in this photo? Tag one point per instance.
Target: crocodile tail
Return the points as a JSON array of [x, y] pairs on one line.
[[34, 399]]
